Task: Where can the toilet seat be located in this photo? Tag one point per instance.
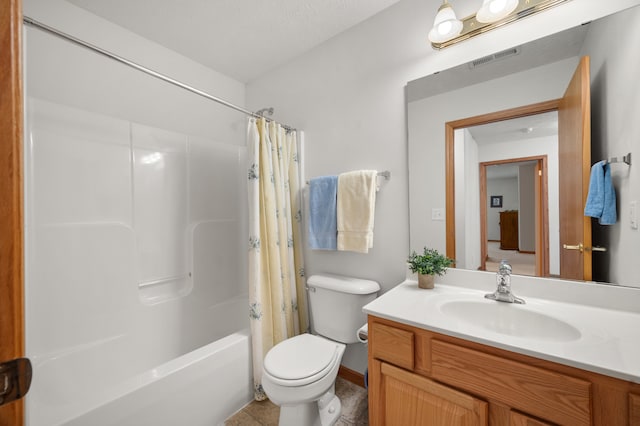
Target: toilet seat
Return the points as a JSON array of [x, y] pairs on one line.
[[301, 360]]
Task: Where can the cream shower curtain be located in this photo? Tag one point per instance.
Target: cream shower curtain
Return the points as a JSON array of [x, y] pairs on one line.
[[277, 298]]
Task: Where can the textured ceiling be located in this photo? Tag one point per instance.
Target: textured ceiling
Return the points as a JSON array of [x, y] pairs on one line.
[[240, 38], [517, 129]]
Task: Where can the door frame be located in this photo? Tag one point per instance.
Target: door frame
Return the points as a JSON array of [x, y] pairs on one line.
[[541, 214], [11, 197], [449, 132]]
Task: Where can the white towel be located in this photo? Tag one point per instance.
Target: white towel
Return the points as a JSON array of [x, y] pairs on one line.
[[355, 210]]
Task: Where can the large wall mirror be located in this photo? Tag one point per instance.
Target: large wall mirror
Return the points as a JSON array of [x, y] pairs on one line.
[[486, 149]]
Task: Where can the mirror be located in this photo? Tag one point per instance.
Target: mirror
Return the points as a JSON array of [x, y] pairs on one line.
[[532, 73]]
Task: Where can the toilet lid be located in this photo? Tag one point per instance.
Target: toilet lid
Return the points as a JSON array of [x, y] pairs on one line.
[[300, 357]]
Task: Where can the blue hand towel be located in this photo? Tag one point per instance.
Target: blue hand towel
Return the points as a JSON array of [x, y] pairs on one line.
[[323, 225], [601, 200]]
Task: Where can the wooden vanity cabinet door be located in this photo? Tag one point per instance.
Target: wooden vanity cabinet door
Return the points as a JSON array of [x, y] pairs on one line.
[[634, 409], [519, 419], [410, 399]]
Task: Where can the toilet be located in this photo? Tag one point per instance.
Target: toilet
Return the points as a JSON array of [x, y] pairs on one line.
[[300, 373]]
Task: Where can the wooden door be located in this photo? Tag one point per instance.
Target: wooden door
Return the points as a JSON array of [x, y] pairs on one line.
[[11, 245], [574, 149], [411, 400]]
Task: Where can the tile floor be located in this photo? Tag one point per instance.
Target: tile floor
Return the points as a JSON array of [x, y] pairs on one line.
[[265, 413]]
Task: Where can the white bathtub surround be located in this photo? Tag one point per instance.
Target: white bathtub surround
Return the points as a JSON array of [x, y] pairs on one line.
[[133, 248], [277, 295], [584, 325]]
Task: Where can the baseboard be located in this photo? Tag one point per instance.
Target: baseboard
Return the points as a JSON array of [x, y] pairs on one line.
[[527, 252], [351, 376]]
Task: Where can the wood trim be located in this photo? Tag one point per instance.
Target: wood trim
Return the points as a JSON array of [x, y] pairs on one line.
[[484, 243], [506, 114], [351, 376], [11, 197], [450, 188], [449, 132]]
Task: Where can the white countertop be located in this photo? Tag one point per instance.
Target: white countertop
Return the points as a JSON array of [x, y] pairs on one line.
[[607, 340]]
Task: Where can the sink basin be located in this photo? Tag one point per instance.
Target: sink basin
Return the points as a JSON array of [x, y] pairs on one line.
[[510, 319]]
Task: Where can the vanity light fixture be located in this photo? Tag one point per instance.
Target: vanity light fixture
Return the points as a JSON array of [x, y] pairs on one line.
[[446, 26], [495, 10], [448, 30]]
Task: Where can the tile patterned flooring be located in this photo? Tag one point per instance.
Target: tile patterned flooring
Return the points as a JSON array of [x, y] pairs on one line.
[[265, 413]]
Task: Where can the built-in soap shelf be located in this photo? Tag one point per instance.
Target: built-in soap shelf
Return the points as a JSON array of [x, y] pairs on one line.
[[166, 288]]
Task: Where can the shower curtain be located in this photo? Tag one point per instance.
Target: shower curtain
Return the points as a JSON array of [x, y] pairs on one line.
[[277, 298]]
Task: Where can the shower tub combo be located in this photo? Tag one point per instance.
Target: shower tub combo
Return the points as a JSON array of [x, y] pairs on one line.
[[136, 300]]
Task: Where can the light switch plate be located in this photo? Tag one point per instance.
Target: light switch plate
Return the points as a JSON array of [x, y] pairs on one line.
[[437, 214]]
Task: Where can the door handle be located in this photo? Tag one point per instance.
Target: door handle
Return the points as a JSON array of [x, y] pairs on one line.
[[582, 248], [15, 379], [579, 247]]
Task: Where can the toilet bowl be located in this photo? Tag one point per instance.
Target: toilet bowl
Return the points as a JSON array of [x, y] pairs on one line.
[[299, 376], [299, 373]]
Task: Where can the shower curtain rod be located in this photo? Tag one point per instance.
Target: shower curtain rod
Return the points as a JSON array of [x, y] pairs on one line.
[[30, 21]]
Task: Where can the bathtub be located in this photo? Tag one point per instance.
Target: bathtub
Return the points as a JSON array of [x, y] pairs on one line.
[[203, 386]]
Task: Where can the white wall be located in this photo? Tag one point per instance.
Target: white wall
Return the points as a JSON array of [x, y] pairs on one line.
[[348, 95], [472, 202], [467, 199], [527, 209], [62, 72], [615, 66], [461, 175]]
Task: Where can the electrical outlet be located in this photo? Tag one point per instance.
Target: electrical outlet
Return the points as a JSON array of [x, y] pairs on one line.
[[633, 214], [437, 214]]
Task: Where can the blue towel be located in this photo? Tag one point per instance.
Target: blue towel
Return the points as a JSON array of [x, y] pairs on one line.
[[601, 200], [323, 225]]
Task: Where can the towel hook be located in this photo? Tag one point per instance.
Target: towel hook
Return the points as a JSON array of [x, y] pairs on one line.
[[625, 159]]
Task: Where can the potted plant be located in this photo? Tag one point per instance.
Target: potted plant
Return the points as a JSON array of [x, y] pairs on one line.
[[428, 264]]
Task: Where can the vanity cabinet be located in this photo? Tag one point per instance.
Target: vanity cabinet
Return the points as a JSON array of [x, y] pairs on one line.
[[419, 377]]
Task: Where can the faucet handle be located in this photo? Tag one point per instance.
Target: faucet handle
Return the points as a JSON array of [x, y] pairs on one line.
[[504, 268]]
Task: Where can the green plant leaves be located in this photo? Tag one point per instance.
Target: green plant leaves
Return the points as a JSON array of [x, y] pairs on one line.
[[431, 262]]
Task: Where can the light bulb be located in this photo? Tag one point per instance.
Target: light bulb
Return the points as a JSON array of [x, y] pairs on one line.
[[446, 26], [495, 10]]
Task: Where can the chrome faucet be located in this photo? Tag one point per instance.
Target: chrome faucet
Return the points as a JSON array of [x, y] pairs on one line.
[[503, 280]]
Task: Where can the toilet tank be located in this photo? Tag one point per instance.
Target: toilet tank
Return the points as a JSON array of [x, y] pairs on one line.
[[335, 305]]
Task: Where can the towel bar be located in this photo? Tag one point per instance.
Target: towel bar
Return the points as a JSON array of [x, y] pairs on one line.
[[386, 174]]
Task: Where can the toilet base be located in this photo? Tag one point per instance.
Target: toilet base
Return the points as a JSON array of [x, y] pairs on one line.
[[323, 412]]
